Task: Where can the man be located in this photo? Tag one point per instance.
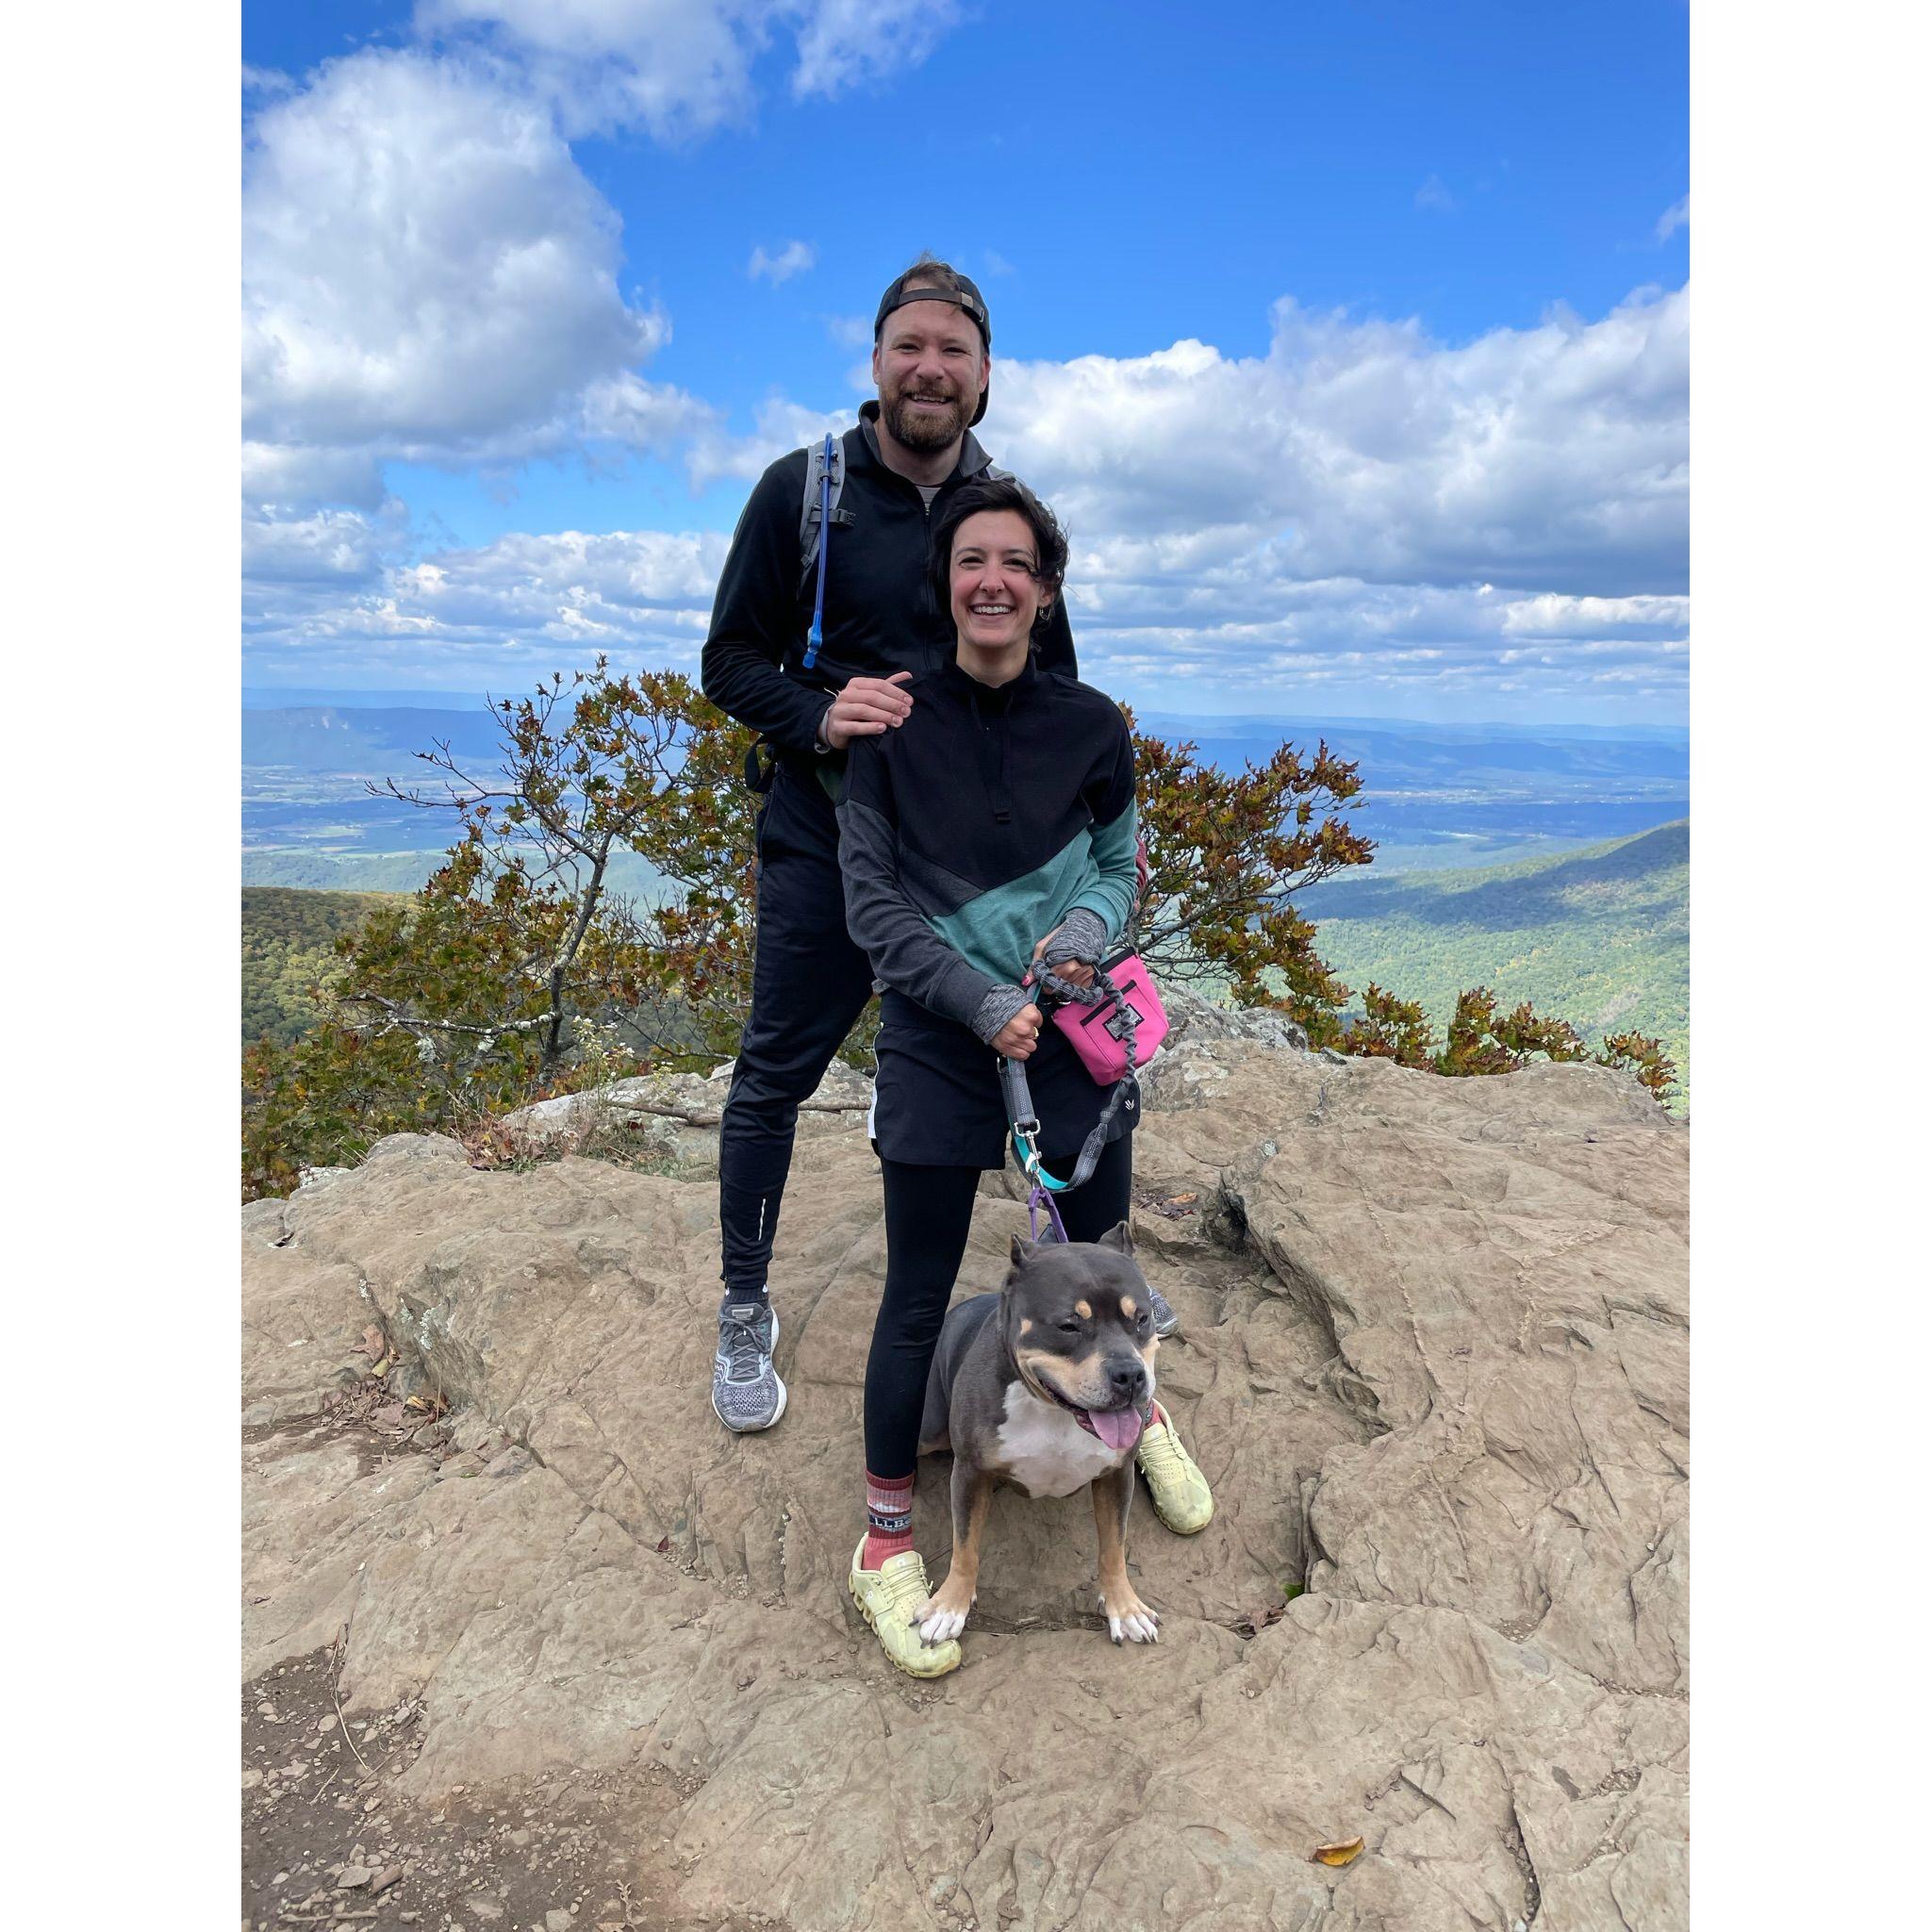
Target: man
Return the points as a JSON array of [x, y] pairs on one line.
[[932, 359]]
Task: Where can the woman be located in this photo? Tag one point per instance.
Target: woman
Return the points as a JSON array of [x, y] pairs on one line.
[[988, 839]]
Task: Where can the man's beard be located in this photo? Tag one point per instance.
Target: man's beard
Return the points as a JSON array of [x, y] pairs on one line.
[[923, 429]]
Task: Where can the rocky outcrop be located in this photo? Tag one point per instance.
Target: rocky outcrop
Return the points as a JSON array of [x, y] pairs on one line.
[[672, 1117], [1432, 1357]]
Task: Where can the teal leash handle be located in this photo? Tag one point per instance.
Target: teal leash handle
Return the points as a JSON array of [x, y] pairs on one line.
[[816, 636], [1026, 1125], [1026, 1128]]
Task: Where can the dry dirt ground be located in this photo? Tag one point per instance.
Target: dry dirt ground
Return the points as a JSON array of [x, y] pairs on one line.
[[328, 1840]]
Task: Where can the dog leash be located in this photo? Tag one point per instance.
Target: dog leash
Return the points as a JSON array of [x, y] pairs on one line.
[[1025, 1123]]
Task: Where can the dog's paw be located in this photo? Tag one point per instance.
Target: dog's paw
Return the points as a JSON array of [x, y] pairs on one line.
[[943, 1614], [1130, 1621]]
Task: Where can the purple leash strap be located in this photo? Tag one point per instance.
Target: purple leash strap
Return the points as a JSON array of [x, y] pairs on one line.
[[1036, 1200]]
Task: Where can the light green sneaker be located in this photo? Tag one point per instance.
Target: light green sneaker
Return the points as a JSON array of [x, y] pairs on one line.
[[1182, 1500], [887, 1598]]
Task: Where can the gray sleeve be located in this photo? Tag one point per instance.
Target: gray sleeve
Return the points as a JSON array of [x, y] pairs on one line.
[[905, 952], [1083, 935], [996, 1009]]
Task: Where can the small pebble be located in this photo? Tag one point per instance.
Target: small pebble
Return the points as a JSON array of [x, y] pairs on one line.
[[326, 1723], [353, 1875]]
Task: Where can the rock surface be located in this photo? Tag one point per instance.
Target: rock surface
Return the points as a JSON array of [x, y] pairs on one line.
[[1432, 1357], [671, 1116]]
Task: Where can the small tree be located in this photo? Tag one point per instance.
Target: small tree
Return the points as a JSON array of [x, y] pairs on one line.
[[1482, 1040], [646, 764], [483, 990], [1226, 852], [1392, 1029], [1643, 1055]]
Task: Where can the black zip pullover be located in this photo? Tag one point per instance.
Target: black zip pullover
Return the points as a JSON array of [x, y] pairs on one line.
[[881, 616]]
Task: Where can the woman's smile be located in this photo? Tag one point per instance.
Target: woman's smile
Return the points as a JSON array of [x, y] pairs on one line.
[[996, 593]]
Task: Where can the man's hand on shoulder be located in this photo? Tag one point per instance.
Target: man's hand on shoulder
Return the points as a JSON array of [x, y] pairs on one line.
[[865, 708]]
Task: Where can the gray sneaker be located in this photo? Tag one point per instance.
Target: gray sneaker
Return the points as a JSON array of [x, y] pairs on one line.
[[745, 1388], [1166, 1320]]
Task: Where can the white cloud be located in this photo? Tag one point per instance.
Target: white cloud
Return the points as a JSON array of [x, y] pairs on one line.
[[1675, 217], [677, 67], [1434, 196], [337, 550], [1579, 617], [794, 258], [1361, 510], [1154, 617], [716, 454], [299, 473], [681, 69], [521, 603], [641, 415], [428, 275], [1549, 458], [847, 43]]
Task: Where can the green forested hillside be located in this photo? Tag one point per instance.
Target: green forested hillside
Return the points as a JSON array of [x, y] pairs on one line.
[[356, 875], [1600, 938], [365, 872], [287, 944]]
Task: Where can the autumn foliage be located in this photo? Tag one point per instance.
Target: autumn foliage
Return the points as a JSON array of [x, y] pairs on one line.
[[517, 972], [1226, 851]]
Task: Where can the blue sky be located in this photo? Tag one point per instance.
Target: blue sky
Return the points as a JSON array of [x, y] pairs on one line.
[[1351, 339]]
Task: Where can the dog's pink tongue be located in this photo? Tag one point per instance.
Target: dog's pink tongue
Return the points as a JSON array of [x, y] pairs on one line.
[[1119, 1428]]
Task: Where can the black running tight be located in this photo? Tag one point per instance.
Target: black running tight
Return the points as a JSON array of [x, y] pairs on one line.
[[929, 1212]]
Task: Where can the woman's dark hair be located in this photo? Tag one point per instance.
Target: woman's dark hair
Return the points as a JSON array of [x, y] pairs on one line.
[[999, 493]]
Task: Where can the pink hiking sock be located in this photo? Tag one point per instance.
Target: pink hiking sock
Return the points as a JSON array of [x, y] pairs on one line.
[[888, 1519]]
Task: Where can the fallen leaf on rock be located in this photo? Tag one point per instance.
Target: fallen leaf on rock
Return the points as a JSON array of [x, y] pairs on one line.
[[1342, 1854], [373, 1343]]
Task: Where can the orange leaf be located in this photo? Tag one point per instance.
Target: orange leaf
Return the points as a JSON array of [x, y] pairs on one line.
[[1342, 1854]]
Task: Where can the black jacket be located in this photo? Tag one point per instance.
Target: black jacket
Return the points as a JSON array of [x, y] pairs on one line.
[[881, 615], [977, 827]]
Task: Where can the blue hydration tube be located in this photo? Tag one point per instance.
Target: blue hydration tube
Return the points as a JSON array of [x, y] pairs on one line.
[[816, 636]]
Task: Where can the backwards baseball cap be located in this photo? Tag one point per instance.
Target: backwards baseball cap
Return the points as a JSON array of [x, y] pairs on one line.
[[917, 285]]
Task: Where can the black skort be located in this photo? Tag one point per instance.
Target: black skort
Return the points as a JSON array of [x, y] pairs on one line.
[[937, 1101]]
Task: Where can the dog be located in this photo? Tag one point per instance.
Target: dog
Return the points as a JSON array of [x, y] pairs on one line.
[[1047, 1385]]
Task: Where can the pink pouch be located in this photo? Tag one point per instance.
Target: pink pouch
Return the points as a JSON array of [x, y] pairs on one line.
[[1095, 1030]]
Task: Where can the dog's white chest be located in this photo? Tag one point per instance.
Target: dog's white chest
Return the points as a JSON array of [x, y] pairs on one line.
[[1046, 1452]]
